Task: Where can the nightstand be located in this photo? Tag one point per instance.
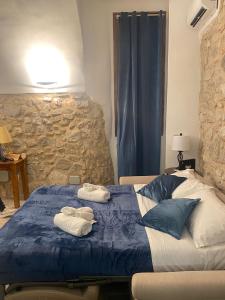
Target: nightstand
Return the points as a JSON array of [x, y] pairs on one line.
[[14, 168], [169, 171]]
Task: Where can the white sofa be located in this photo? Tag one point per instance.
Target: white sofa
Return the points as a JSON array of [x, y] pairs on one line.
[[198, 285]]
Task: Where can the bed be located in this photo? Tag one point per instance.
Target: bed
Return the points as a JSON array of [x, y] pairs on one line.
[[32, 249], [33, 252], [171, 255], [180, 270]]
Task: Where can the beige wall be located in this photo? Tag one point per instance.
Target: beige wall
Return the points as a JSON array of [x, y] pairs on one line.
[[212, 101], [183, 80], [61, 136]]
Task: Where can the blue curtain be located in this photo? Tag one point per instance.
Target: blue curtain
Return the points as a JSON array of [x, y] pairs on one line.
[[141, 45]]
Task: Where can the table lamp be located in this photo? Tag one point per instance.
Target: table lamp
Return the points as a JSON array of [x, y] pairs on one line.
[[180, 143], [5, 138]]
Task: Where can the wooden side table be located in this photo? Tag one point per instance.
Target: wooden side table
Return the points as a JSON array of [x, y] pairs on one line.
[[13, 168]]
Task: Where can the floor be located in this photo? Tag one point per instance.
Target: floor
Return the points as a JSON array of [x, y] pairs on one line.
[[115, 291]]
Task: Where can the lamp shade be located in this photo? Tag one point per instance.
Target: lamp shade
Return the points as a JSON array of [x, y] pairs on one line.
[[5, 137], [180, 143]]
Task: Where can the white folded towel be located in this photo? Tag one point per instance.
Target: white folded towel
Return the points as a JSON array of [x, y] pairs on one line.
[[92, 187], [73, 225], [96, 195], [82, 212]]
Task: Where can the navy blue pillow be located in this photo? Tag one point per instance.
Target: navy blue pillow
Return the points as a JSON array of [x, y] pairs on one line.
[[170, 216], [161, 188]]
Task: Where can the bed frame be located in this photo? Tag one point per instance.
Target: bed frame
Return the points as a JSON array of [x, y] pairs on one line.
[[83, 288], [145, 286]]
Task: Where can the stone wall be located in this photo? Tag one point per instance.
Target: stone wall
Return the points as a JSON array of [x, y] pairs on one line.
[[61, 136], [212, 101]]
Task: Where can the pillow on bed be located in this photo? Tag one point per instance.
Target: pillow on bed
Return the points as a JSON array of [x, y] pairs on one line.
[[161, 187], [207, 224], [188, 173], [170, 216], [189, 187]]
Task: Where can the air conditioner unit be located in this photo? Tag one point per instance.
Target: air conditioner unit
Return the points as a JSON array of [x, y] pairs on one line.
[[200, 11]]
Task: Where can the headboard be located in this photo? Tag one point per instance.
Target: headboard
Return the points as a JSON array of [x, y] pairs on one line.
[[136, 179], [147, 179]]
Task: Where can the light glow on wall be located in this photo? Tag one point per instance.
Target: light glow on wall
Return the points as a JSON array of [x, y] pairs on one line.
[[47, 67]]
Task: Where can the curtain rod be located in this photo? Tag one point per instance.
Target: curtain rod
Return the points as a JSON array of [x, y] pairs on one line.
[[149, 13]]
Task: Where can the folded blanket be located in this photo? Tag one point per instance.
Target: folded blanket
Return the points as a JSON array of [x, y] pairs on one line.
[[73, 225], [97, 195], [82, 212]]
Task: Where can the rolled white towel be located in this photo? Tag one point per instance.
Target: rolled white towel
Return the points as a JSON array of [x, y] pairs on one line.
[[98, 195], [92, 187], [82, 212], [85, 209], [68, 210], [73, 225]]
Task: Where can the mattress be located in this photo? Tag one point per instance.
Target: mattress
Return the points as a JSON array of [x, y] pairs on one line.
[[170, 255], [32, 249]]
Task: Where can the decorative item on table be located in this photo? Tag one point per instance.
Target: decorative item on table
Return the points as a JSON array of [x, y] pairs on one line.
[[180, 143], [5, 138], [15, 156]]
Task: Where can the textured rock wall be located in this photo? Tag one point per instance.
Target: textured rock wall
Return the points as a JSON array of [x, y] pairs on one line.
[[61, 136], [212, 101]]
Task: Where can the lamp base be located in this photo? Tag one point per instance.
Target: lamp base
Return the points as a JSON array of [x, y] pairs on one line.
[[180, 159], [2, 154]]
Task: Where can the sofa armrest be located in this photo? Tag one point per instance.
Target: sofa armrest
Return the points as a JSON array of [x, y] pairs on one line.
[[136, 179], [194, 285]]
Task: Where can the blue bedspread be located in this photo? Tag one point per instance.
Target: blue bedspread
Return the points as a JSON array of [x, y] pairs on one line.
[[33, 249]]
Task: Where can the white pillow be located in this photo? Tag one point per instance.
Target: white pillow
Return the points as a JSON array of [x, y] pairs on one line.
[[189, 173], [188, 187], [207, 222]]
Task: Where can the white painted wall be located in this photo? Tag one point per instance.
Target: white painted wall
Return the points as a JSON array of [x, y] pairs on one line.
[[183, 80], [183, 66], [25, 24], [97, 28]]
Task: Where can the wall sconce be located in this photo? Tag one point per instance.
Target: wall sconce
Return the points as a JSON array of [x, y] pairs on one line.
[[47, 67]]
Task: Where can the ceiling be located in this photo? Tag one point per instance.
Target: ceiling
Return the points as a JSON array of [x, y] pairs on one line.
[[33, 32]]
